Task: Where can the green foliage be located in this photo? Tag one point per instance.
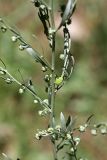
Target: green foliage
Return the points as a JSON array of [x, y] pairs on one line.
[[85, 91]]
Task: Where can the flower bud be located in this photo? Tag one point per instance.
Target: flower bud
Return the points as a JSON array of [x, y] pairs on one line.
[[8, 80], [103, 130], [46, 101], [37, 136], [62, 56], [68, 136], [59, 80], [58, 128], [82, 128], [14, 38], [21, 47], [35, 101], [77, 140], [40, 113], [94, 132], [21, 90], [44, 69], [3, 29]]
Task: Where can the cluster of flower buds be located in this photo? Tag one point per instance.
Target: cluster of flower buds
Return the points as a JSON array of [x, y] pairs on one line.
[[44, 17], [67, 57], [53, 132], [100, 128], [5, 77], [44, 112], [50, 36], [82, 128]]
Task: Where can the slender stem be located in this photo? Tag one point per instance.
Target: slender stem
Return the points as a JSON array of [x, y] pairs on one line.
[[53, 59], [53, 78], [53, 73], [52, 14]]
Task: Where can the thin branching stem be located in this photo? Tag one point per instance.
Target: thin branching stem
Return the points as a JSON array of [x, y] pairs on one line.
[[53, 72], [29, 89]]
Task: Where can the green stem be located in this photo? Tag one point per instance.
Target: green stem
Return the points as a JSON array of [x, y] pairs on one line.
[[53, 73], [53, 59]]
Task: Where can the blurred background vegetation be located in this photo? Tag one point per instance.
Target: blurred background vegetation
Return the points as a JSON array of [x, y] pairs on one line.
[[84, 94]]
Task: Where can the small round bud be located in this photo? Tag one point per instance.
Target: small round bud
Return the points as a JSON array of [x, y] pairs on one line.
[[40, 113], [62, 56], [72, 150], [46, 101], [35, 101], [94, 132], [8, 80], [14, 38], [21, 90], [58, 128], [44, 69], [68, 136], [77, 140], [103, 130], [82, 128], [3, 29], [37, 136], [42, 6], [46, 78], [21, 47], [59, 80], [2, 72]]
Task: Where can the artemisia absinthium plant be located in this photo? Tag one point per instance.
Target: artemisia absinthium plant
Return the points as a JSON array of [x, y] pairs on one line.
[[61, 136]]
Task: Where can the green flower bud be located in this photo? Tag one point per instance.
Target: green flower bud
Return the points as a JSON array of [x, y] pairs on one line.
[[59, 80]]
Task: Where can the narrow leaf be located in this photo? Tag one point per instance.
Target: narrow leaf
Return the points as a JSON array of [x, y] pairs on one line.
[[63, 122], [53, 123], [70, 124], [68, 121], [69, 10], [89, 118]]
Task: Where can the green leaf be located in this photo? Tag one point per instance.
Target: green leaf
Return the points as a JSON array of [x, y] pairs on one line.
[[69, 123], [53, 123], [69, 10], [63, 122]]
